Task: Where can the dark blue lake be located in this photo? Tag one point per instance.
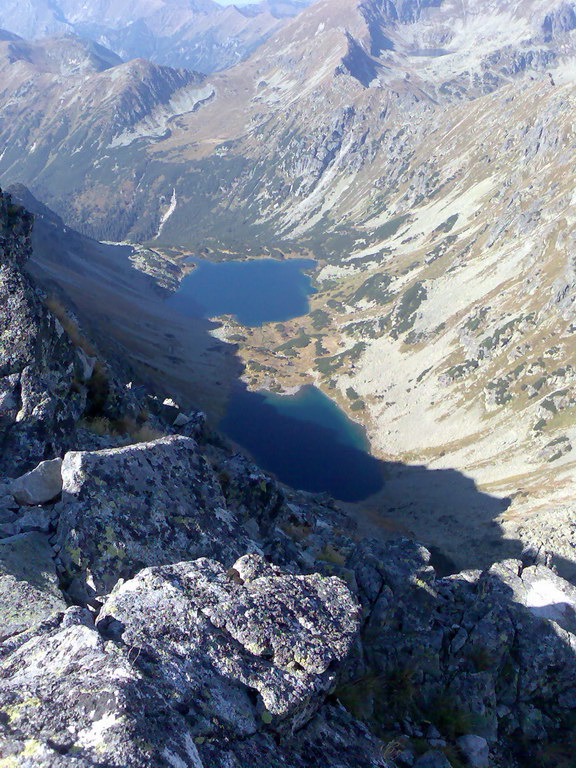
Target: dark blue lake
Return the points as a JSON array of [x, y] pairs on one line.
[[305, 440], [255, 292]]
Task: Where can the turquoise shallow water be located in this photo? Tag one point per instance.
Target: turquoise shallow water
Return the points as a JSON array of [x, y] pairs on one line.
[[256, 292], [305, 440]]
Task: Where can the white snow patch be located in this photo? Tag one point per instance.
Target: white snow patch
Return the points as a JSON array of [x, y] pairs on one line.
[[565, 72], [169, 212], [547, 600]]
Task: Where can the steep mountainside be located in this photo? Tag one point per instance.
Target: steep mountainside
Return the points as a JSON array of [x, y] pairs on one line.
[[313, 115], [119, 291], [60, 101], [199, 34], [165, 603]]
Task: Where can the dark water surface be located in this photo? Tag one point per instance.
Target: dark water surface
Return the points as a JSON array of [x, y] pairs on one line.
[[305, 440], [256, 291]]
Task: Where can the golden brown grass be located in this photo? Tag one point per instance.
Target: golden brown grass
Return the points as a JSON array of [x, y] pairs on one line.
[[76, 336]]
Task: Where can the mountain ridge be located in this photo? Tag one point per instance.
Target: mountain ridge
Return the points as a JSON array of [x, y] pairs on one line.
[[200, 35]]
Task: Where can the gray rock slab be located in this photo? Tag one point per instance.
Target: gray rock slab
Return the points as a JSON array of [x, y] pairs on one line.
[[29, 589], [249, 627], [179, 671], [140, 505]]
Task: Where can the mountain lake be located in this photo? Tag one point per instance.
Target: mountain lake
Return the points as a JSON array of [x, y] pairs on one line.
[[305, 439]]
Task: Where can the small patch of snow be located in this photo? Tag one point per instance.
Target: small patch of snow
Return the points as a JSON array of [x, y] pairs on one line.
[[169, 212]]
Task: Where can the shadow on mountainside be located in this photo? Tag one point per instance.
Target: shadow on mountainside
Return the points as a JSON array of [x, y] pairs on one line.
[[442, 508], [487, 653], [457, 520], [126, 313]]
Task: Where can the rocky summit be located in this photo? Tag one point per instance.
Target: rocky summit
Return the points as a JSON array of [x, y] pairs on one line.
[[163, 602]]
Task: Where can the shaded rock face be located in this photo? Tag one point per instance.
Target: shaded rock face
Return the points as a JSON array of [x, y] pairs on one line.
[[194, 666], [38, 365], [489, 654], [250, 492], [29, 591], [146, 504]]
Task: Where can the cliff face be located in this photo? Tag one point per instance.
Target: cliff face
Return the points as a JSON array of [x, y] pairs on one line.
[[163, 602], [39, 402]]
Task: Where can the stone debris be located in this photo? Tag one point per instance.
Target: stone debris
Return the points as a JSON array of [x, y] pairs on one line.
[[40, 485]]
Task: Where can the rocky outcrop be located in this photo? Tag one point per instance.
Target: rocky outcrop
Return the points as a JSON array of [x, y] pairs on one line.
[[146, 504], [190, 665], [29, 590], [281, 636], [484, 653], [40, 374]]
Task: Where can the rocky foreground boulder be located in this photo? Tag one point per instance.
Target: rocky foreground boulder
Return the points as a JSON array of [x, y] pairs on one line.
[[29, 588], [192, 665], [145, 504], [40, 485]]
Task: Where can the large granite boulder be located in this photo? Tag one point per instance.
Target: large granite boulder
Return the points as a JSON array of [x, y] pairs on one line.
[[194, 666], [68, 698], [29, 591], [145, 504], [39, 486], [256, 629]]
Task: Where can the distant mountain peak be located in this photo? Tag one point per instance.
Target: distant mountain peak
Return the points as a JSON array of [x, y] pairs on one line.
[[196, 34]]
